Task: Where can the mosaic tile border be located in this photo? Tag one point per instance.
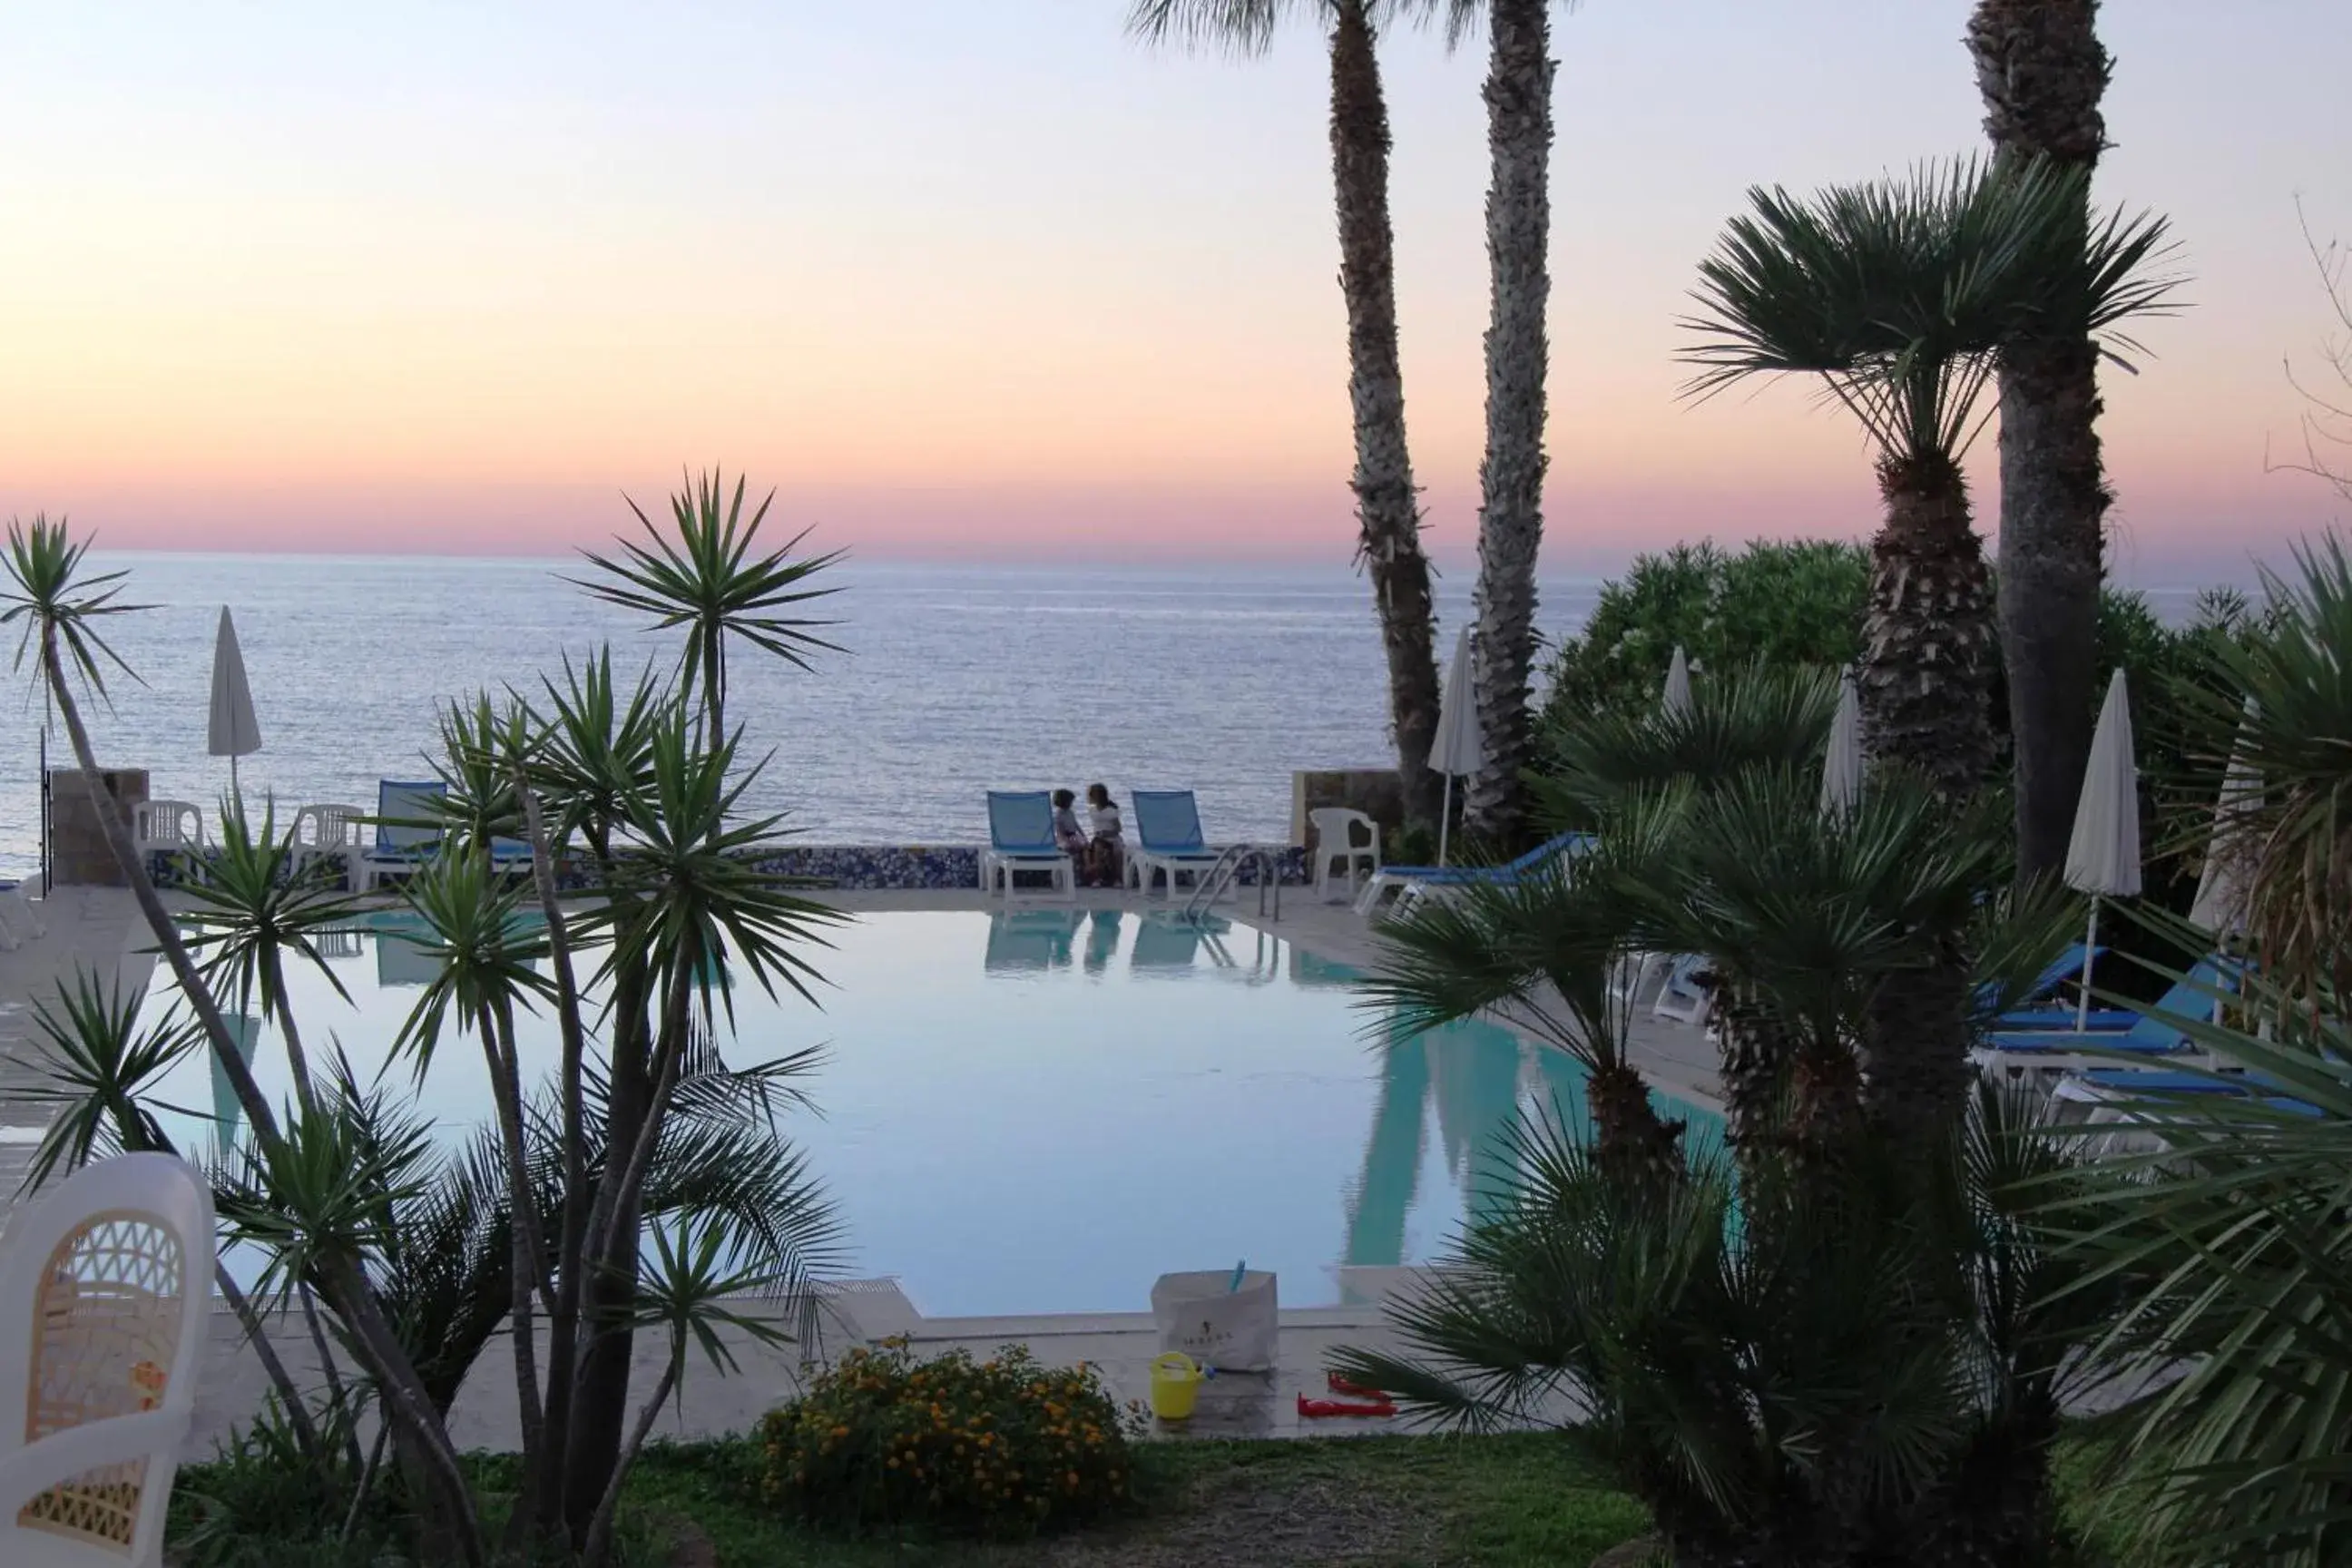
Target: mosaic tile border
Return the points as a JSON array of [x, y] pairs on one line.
[[862, 868]]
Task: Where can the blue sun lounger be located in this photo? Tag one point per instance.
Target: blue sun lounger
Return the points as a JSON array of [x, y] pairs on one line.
[[1168, 840], [1400, 878], [1021, 838], [2105, 1086], [2068, 965], [2155, 1034]]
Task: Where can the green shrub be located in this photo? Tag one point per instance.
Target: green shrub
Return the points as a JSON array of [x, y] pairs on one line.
[[1798, 602], [999, 1448]]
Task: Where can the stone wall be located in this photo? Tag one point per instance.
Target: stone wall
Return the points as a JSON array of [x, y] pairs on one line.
[[79, 854]]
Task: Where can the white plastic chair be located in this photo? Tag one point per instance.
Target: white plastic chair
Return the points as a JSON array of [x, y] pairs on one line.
[[168, 825], [330, 832], [105, 1297], [1682, 998], [20, 923], [1336, 828]]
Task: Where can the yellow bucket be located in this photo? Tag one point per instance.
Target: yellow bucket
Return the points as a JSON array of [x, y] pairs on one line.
[[1175, 1385]]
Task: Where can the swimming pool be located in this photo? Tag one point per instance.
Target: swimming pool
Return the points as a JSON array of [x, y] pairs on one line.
[[1042, 1111]]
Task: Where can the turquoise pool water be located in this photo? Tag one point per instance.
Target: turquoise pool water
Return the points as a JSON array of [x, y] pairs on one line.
[[1044, 1110]]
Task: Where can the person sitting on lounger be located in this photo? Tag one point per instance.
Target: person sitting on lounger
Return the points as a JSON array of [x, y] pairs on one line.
[[1105, 864], [1067, 835]]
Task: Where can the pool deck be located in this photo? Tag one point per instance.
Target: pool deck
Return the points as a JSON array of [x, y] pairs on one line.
[[98, 928]]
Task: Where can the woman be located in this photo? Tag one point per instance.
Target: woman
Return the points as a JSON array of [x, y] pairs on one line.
[[1106, 861]]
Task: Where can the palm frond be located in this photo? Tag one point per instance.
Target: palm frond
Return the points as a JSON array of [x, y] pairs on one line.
[[49, 597], [1899, 294], [98, 1070], [708, 581]]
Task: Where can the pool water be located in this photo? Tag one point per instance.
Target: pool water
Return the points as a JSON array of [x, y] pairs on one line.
[[1042, 1111]]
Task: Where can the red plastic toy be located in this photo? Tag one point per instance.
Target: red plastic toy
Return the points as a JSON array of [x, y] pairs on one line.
[[1316, 1409]]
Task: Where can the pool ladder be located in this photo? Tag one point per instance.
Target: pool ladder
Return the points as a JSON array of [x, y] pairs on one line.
[[1228, 867]]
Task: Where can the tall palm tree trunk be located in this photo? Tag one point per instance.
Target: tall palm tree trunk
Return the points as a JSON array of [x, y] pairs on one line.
[[1387, 505], [1927, 703], [1511, 513], [2041, 71], [1927, 675]]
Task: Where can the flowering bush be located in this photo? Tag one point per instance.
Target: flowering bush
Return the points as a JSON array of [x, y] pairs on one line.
[[999, 1448]]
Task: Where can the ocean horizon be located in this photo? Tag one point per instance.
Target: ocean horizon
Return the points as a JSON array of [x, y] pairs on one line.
[[952, 679]]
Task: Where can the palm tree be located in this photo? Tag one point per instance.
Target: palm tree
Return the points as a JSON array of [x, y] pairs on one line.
[[1548, 948], [2228, 1242], [1511, 476], [2042, 70], [1387, 508], [2280, 705], [1899, 296]]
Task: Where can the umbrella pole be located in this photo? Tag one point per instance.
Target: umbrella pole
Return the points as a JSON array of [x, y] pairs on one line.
[[1444, 819], [2090, 951]]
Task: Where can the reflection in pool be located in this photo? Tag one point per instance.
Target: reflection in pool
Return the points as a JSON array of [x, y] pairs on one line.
[[1041, 1110]]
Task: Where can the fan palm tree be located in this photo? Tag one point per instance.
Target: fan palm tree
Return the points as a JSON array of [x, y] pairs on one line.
[[2227, 1239], [1900, 295], [2041, 71], [1548, 948], [1791, 1364], [1387, 503], [2280, 705], [1511, 476]]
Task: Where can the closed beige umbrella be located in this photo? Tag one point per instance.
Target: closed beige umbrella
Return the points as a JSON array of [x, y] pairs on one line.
[[2103, 857], [234, 731]]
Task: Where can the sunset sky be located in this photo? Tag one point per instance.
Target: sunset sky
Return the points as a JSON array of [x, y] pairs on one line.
[[997, 280]]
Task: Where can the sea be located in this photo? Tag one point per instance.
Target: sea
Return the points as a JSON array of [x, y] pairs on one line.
[[950, 681]]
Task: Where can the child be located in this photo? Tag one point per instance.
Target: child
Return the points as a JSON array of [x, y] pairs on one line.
[[1106, 862], [1067, 834]]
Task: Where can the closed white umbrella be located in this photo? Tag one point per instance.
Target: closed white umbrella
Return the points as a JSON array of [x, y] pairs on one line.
[[1677, 697], [1841, 767], [1459, 747], [2221, 903], [235, 731], [2103, 857]]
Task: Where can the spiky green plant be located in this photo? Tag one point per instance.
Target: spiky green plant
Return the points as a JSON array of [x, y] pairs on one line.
[[705, 578], [259, 907]]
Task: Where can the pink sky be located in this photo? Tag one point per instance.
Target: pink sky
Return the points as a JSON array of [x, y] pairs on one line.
[[452, 280]]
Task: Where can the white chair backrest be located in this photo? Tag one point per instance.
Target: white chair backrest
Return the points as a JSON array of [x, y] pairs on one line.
[[328, 827], [168, 822], [1336, 829], [105, 1297]]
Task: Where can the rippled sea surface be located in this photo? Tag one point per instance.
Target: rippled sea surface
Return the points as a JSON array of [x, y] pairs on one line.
[[951, 681]]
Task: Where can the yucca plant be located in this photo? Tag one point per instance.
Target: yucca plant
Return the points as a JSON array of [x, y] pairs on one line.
[[705, 579], [61, 607], [1899, 296], [259, 907]]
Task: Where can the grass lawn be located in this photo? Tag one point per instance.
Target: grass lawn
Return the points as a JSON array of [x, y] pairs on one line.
[[1379, 1503]]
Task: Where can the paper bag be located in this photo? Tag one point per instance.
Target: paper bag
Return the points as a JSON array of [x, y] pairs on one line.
[[1202, 1315]]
